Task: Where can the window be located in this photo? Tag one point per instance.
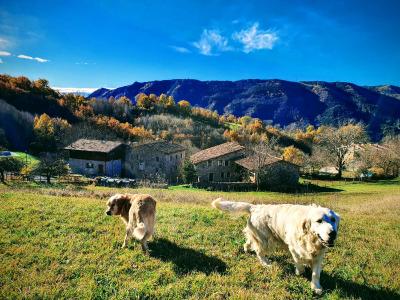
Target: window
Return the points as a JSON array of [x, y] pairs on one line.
[[89, 165], [220, 163], [141, 166], [228, 174], [181, 155], [222, 174], [211, 177], [157, 158], [226, 163], [209, 163]]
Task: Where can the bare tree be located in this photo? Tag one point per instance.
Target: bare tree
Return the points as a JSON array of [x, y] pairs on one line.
[[260, 153], [339, 141]]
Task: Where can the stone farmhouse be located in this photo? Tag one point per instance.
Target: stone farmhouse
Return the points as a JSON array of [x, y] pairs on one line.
[[153, 160], [156, 160], [96, 157], [228, 162], [217, 164]]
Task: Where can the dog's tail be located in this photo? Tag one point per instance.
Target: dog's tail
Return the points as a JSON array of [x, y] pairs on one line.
[[230, 206]]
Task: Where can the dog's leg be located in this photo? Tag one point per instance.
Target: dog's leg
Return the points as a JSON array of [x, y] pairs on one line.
[[297, 262], [265, 262], [128, 235], [316, 271], [247, 246], [143, 242]]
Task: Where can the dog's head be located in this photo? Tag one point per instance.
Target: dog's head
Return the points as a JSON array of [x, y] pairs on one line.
[[116, 204], [322, 223]]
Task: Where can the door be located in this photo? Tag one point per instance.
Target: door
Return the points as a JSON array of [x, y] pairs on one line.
[[101, 169], [211, 177]]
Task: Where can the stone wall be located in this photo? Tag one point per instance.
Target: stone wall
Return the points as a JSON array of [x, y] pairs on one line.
[[223, 168], [141, 164]]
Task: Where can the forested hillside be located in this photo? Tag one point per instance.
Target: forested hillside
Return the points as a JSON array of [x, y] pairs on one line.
[[283, 103]]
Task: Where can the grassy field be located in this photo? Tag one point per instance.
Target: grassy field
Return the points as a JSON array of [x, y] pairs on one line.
[[56, 242]]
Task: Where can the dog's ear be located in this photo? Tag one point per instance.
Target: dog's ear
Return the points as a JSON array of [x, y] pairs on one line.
[[306, 224], [123, 203]]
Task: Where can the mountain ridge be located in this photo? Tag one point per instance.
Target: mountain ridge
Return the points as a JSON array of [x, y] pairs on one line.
[[280, 101]]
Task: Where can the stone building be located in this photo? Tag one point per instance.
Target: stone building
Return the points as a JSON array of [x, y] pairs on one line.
[[155, 160], [272, 171], [217, 164], [96, 157]]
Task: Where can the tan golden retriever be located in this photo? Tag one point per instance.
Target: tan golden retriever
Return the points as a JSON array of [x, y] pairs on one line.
[[138, 211], [306, 231]]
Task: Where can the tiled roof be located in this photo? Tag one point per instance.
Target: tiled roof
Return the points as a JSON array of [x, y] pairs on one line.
[[252, 163], [160, 146], [93, 145], [215, 152]]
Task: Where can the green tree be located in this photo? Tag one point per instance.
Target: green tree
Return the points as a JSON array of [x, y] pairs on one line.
[[9, 164], [189, 172], [51, 165]]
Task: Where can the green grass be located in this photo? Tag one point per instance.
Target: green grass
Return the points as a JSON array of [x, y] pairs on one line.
[[30, 159], [58, 243]]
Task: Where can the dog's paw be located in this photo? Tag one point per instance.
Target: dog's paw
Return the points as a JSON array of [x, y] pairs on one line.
[[123, 246], [316, 289], [299, 271]]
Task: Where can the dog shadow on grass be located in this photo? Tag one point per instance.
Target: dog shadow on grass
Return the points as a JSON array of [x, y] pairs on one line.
[[330, 282], [186, 260]]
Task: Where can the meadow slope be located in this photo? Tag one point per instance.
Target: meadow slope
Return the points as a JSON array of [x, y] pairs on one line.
[[58, 243]]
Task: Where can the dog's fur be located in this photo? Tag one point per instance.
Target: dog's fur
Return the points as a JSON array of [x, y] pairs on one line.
[[138, 211], [306, 231]]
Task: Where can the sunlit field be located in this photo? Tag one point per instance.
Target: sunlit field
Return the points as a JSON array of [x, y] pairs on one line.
[[56, 242]]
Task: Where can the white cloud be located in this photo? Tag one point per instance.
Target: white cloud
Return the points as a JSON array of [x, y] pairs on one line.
[[41, 60], [1, 61], [211, 42], [180, 49], [5, 53], [253, 38]]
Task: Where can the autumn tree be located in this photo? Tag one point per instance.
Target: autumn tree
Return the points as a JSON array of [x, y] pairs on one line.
[[184, 106], [338, 142], [293, 155]]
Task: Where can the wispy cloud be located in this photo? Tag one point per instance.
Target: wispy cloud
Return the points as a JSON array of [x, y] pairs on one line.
[[253, 38], [1, 61], [5, 53], [4, 43], [85, 63], [180, 49], [41, 60], [212, 42]]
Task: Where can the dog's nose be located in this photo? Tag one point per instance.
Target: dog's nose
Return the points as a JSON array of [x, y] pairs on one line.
[[108, 212]]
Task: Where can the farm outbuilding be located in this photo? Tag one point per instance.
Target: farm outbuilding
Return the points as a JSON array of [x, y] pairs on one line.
[[96, 157]]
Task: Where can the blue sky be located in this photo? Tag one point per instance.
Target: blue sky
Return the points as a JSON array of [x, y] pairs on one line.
[[113, 43]]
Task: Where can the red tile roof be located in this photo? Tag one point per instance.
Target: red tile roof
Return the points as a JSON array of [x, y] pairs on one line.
[[216, 151]]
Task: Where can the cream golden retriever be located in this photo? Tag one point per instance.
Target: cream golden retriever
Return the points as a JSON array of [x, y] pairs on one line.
[[138, 211], [306, 231]]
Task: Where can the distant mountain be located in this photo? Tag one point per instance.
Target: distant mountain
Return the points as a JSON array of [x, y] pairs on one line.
[[279, 101]]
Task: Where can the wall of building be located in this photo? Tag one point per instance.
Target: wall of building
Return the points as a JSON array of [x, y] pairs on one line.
[[111, 168], [224, 169], [142, 164]]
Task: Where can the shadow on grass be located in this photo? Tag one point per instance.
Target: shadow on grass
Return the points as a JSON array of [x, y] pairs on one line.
[[350, 289], [304, 188], [346, 288], [186, 260]]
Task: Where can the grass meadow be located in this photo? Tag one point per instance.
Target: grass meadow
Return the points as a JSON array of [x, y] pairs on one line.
[[56, 242]]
